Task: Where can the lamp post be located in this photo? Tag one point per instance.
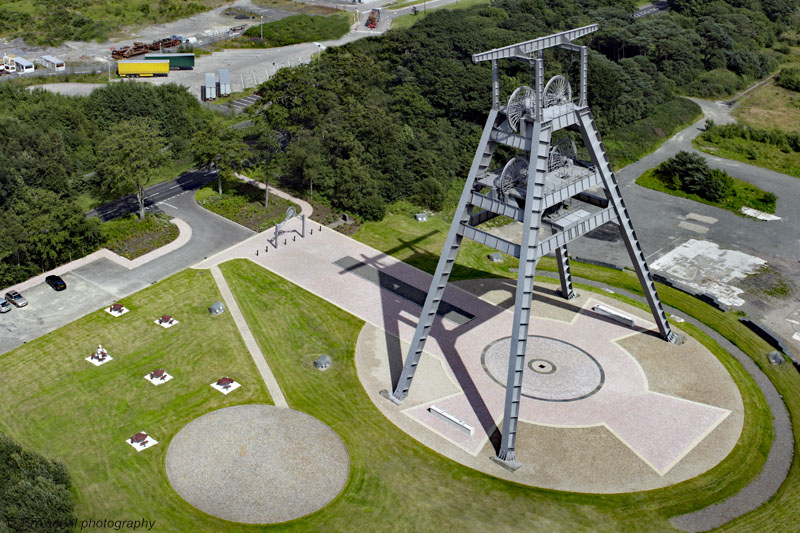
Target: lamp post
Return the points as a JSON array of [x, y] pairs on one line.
[[262, 27]]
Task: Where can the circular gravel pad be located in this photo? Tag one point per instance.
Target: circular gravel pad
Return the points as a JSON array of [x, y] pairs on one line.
[[556, 371], [257, 464]]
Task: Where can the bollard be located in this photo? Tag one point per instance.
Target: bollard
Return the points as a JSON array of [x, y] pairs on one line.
[[294, 238], [256, 252], [312, 231], [284, 242]]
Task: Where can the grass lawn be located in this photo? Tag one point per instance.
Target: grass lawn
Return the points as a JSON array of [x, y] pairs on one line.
[[394, 479], [67, 409], [131, 238], [301, 28], [770, 107], [752, 152], [406, 21], [243, 203], [744, 194]]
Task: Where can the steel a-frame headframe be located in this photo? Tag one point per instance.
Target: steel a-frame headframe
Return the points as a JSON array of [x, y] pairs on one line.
[[522, 191]]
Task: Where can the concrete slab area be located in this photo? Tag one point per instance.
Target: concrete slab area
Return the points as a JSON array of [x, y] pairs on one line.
[[657, 430], [257, 464], [705, 267]]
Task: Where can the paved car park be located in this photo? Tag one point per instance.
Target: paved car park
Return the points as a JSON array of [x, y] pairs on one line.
[[48, 309]]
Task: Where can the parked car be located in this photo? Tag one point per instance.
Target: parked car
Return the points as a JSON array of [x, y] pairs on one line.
[[5, 307], [16, 298], [56, 282]]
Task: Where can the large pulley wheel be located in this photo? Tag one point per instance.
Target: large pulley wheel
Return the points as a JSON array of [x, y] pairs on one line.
[[521, 103], [514, 173], [562, 156], [557, 92]]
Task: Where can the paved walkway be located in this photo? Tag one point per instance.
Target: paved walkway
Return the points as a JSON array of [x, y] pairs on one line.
[[305, 207], [381, 290], [258, 357]]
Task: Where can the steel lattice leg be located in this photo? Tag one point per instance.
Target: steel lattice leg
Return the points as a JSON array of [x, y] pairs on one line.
[[564, 272], [524, 293], [591, 138], [481, 162]]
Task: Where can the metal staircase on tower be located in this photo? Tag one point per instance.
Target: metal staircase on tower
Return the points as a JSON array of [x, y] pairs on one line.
[[530, 188]]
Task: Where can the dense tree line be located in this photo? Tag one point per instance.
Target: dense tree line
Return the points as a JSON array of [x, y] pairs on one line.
[[56, 147], [34, 491], [398, 116]]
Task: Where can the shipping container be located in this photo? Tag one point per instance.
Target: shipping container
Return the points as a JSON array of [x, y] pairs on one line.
[[176, 61], [210, 86], [134, 68], [224, 83]]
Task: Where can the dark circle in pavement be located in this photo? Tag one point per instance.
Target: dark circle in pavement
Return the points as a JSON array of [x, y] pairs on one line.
[[541, 366], [557, 371], [257, 464]]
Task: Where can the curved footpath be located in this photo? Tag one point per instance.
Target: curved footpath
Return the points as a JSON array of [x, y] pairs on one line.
[[779, 460]]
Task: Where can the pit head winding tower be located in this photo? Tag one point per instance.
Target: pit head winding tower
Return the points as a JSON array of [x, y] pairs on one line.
[[530, 189]]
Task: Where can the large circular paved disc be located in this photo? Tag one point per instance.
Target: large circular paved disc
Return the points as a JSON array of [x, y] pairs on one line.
[[555, 371], [257, 464]]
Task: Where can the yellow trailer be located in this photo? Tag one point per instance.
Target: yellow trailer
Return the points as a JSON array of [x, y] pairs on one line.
[[134, 68]]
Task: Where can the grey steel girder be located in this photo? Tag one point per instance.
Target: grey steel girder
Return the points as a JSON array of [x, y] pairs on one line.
[[525, 49], [529, 257], [591, 137], [481, 162], [564, 272]]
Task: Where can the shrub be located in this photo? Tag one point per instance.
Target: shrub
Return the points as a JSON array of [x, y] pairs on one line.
[[789, 78], [689, 172], [431, 193]]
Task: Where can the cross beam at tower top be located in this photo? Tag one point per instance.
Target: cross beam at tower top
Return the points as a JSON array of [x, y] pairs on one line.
[[526, 49]]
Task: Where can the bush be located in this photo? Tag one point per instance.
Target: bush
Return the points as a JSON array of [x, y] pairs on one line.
[[789, 78], [431, 193], [689, 172]]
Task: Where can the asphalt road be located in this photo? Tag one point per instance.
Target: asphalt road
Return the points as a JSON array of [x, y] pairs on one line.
[[102, 282], [160, 192]]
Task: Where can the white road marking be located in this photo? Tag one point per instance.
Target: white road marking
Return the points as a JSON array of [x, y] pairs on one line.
[[168, 205]]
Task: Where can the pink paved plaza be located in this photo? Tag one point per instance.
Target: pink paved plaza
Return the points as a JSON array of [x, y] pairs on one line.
[[593, 381]]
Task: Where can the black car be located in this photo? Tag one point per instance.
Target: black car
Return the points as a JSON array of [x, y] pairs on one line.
[[56, 282]]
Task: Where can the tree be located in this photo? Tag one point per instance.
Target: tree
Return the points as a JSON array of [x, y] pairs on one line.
[[268, 148], [690, 172], [129, 157], [220, 148]]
